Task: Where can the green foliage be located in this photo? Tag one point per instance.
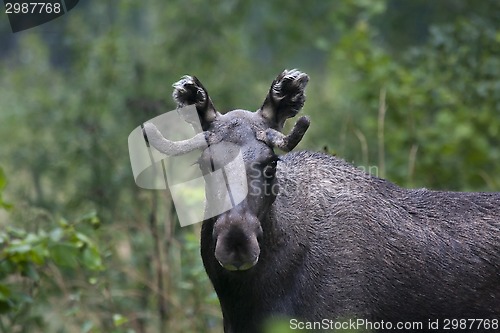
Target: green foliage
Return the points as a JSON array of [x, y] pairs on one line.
[[449, 117], [3, 183], [29, 259]]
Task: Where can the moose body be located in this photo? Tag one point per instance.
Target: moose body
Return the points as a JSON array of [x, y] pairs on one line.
[[318, 239], [356, 246]]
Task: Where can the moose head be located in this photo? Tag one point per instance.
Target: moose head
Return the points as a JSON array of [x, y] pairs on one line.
[[237, 233]]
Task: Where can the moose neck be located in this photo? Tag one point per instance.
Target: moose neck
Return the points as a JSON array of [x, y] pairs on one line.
[[240, 292]]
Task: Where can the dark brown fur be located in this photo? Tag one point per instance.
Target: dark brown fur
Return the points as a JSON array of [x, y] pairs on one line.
[[332, 242]]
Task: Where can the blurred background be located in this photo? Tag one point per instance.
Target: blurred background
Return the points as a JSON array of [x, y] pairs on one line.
[[409, 90]]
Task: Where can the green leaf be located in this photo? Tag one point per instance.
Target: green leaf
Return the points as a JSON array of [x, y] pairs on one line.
[[3, 183], [5, 205], [5, 306], [29, 270], [87, 326], [64, 254], [119, 320], [16, 232], [92, 259], [92, 218], [18, 247], [83, 238], [7, 267], [4, 292], [63, 223], [56, 235], [3, 179], [4, 238]]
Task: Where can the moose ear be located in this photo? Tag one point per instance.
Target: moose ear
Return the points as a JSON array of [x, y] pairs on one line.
[[189, 91], [285, 98]]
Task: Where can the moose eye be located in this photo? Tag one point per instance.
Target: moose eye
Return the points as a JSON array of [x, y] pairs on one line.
[[270, 169]]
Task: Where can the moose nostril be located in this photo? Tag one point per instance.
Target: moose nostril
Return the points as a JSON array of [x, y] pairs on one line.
[[247, 265], [236, 257], [236, 242], [243, 266]]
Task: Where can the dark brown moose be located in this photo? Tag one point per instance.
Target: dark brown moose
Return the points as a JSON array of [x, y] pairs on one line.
[[317, 239]]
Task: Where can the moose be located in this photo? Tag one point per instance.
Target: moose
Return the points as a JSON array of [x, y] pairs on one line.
[[316, 238]]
